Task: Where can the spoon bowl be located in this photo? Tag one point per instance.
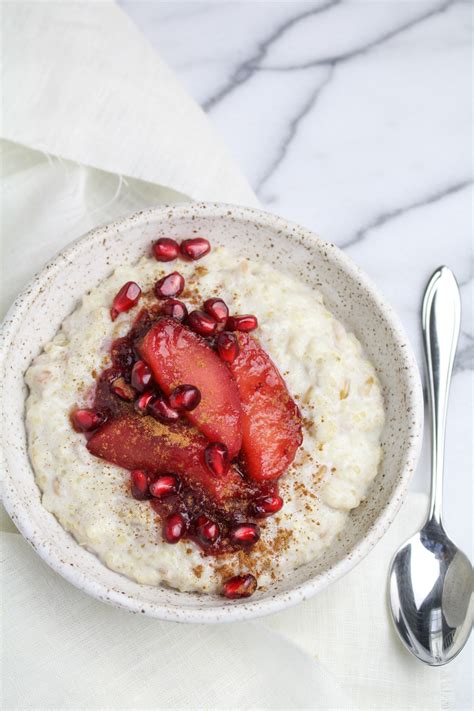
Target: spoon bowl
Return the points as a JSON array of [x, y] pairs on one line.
[[430, 590], [431, 580]]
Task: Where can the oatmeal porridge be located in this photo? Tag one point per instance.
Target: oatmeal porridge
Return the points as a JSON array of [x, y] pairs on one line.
[[188, 445]]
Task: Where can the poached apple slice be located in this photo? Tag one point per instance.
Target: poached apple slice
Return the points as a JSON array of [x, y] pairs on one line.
[[177, 356], [136, 442], [271, 422]]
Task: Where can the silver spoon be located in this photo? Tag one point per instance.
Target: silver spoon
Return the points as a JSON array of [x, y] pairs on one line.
[[431, 580]]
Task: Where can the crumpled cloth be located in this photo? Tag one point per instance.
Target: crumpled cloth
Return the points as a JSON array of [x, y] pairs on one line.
[[65, 650], [94, 127]]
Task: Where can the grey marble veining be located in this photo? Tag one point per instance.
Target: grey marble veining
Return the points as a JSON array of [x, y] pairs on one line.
[[349, 117], [354, 119]]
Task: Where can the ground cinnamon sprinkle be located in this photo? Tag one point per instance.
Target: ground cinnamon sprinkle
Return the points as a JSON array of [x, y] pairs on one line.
[[226, 571], [197, 570], [305, 456], [157, 429], [320, 472], [282, 540], [193, 297], [261, 559], [300, 488]]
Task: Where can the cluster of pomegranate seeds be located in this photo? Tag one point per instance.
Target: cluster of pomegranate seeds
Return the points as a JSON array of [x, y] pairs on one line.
[[166, 249], [196, 374], [239, 586], [215, 319], [125, 299], [144, 486]]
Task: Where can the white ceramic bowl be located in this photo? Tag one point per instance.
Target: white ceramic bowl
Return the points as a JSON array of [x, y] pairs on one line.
[[37, 315]]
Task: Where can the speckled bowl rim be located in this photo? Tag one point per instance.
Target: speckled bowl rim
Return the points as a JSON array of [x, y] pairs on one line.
[[279, 601]]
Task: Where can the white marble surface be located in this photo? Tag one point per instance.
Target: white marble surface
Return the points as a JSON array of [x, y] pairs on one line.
[[354, 119]]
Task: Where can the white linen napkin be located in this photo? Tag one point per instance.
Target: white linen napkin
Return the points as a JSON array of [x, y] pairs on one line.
[[80, 82], [64, 650], [96, 127]]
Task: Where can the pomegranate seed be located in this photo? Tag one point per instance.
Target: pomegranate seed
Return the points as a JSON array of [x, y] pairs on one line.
[[195, 248], [216, 457], [245, 534], [207, 530], [139, 484], [160, 410], [174, 528], [125, 299], [141, 376], [239, 586], [164, 485], [142, 403], [227, 346], [165, 249], [218, 309], [174, 308], [170, 285], [121, 388], [242, 323], [86, 420], [201, 323], [267, 505], [184, 397]]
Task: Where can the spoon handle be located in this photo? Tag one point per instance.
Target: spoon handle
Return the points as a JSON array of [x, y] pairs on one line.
[[441, 317]]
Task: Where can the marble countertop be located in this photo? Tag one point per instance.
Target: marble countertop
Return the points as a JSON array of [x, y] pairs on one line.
[[353, 119]]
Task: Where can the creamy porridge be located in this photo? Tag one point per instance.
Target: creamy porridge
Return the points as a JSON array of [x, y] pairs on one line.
[[325, 370]]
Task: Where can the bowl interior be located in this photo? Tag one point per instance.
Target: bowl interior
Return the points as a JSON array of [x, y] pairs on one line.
[[38, 313]]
